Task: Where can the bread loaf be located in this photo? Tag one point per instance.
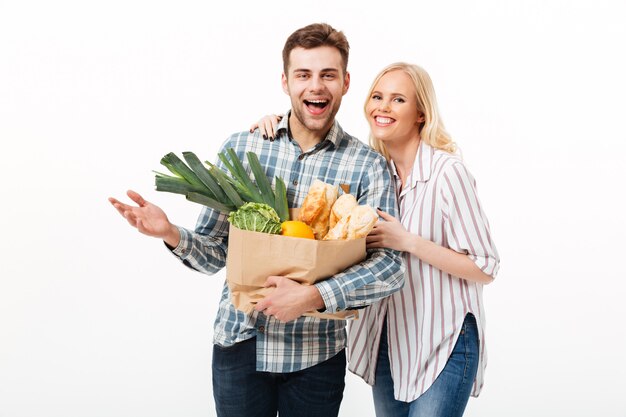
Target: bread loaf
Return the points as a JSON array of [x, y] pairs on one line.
[[361, 222], [315, 210], [357, 224], [339, 231], [342, 208]]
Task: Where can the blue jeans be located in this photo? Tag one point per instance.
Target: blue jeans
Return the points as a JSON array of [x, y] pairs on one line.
[[242, 391], [448, 395]]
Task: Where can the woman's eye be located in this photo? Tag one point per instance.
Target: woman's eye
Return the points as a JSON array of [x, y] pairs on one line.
[[376, 97], [399, 100]]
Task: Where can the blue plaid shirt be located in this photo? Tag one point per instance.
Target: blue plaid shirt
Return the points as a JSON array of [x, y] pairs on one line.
[[306, 341]]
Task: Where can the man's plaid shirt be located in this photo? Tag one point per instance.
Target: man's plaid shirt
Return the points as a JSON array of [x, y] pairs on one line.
[[307, 341]]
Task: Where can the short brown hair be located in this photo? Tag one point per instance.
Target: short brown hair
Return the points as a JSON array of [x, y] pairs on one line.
[[314, 35]]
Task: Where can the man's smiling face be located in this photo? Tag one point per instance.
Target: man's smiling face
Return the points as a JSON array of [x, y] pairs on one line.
[[315, 83]]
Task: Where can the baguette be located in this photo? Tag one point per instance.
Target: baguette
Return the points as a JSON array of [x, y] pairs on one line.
[[315, 210], [342, 208], [361, 222], [357, 224]]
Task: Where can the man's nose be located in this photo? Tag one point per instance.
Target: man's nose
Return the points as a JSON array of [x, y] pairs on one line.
[[316, 83]]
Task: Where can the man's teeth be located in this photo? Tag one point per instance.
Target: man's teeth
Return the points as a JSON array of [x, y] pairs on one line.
[[383, 120]]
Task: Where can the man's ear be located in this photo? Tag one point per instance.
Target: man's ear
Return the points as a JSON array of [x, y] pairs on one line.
[[346, 83], [284, 83]]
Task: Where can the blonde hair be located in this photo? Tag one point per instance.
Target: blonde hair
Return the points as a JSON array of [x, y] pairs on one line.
[[432, 131]]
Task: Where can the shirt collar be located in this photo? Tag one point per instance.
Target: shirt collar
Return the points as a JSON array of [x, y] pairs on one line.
[[335, 135], [422, 167]]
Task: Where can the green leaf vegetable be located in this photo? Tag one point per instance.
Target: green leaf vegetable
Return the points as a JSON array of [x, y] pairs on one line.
[[257, 217], [210, 186]]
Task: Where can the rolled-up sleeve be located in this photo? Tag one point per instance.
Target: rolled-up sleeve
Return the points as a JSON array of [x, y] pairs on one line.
[[466, 225], [205, 248]]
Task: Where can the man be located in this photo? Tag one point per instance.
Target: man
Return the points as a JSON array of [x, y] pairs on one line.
[[274, 359]]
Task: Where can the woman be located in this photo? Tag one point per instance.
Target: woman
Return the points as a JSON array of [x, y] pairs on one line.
[[423, 348]]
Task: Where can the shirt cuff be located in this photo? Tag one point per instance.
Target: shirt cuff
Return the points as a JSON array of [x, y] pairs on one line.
[[184, 246], [332, 295], [487, 264]]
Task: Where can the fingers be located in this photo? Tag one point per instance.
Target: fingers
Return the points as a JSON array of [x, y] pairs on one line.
[[125, 211], [376, 238], [267, 126], [140, 225], [272, 281], [264, 129], [116, 203], [136, 198], [128, 213], [119, 206], [373, 240], [372, 237], [261, 305], [265, 303], [373, 245], [386, 216], [274, 123]]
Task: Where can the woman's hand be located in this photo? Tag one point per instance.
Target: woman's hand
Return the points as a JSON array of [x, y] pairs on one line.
[[267, 126], [389, 233]]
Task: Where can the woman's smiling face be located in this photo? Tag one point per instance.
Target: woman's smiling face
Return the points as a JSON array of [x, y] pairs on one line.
[[392, 110]]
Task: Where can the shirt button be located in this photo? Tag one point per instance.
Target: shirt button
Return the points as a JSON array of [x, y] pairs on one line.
[[295, 182], [301, 157], [261, 329]]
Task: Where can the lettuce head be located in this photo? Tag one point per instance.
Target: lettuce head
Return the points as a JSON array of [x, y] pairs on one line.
[[256, 217]]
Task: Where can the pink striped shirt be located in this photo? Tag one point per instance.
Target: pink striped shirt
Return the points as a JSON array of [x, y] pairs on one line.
[[439, 203]]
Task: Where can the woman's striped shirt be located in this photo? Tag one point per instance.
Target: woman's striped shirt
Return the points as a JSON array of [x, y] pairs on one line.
[[439, 202]]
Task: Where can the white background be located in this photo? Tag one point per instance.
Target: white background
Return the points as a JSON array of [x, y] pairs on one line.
[[98, 320]]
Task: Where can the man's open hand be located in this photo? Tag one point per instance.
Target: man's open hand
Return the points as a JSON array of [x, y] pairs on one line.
[[148, 218]]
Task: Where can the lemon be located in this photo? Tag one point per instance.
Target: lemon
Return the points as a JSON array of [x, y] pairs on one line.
[[296, 228]]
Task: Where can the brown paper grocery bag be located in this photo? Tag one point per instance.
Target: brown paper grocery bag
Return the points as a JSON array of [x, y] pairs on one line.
[[253, 256]]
